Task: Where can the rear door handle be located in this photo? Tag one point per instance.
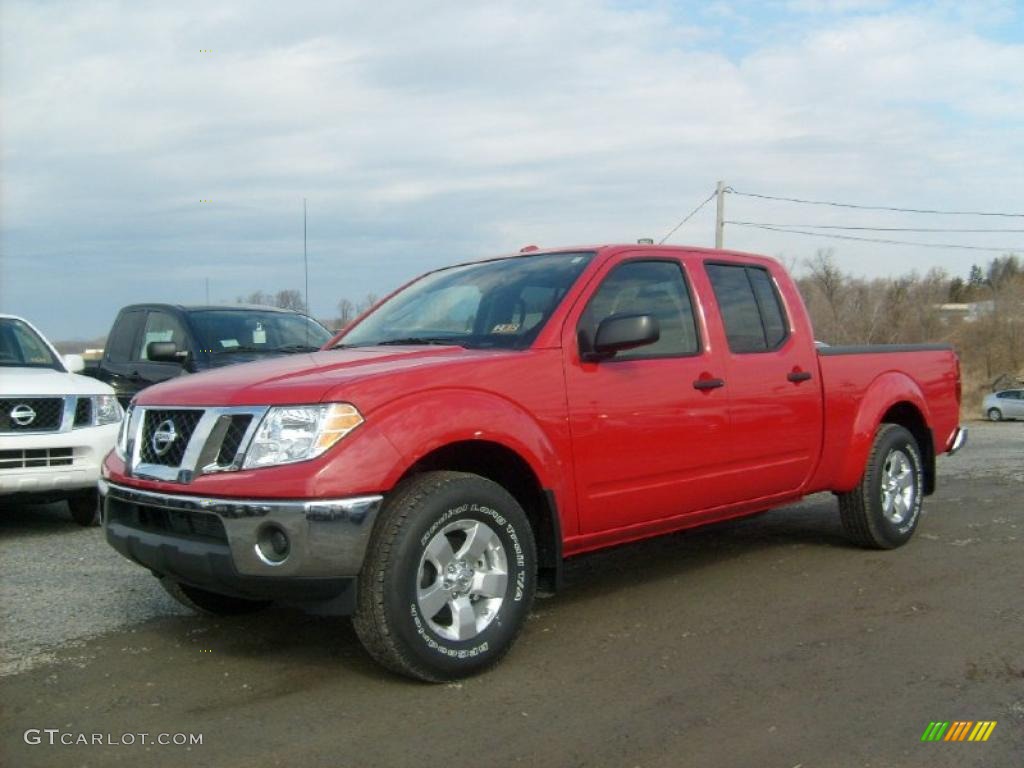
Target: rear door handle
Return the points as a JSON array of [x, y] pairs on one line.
[[797, 376], [708, 383]]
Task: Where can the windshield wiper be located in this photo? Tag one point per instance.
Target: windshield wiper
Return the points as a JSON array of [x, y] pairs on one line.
[[297, 348], [410, 340]]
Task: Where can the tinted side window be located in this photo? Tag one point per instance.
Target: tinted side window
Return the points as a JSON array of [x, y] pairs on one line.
[[161, 326], [122, 336], [749, 306], [646, 287]]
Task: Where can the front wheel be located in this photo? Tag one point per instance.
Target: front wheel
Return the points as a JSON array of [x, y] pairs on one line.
[[994, 414], [882, 512], [449, 577]]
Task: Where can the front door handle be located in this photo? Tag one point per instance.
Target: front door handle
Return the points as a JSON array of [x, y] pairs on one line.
[[797, 376], [708, 383]]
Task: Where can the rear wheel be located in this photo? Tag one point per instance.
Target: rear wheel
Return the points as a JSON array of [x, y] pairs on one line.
[[449, 577], [210, 602], [882, 512], [994, 414], [85, 509]]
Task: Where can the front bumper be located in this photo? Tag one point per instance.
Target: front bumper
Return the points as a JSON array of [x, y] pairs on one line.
[[51, 463], [224, 545]]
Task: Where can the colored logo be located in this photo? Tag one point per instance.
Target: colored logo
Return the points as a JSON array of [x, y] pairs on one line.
[[959, 730], [163, 437], [22, 415]]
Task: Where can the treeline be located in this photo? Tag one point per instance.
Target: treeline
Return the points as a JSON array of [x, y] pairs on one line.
[[347, 310], [981, 314]]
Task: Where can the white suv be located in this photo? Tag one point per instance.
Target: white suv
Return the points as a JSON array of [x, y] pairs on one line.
[[55, 426]]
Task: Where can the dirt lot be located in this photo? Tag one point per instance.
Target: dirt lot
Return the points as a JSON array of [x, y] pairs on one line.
[[766, 642]]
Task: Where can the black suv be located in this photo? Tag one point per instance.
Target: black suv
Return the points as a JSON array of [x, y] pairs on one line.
[[150, 343]]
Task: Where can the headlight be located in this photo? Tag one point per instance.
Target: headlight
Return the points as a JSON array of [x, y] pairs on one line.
[[121, 446], [106, 410], [299, 432]]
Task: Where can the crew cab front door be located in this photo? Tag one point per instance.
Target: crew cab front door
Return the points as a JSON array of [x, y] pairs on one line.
[[649, 425]]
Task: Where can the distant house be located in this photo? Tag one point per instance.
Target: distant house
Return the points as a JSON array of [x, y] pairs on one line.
[[968, 312]]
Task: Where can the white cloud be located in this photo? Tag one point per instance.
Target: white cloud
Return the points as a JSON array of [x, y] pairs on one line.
[[426, 132]]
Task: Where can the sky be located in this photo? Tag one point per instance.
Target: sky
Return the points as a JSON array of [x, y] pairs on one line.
[[152, 149]]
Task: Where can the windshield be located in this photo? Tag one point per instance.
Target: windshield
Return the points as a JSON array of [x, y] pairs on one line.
[[495, 304], [224, 331], [21, 347]]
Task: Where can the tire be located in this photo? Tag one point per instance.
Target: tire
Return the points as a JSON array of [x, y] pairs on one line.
[[994, 414], [201, 601], [882, 512], [85, 509], [426, 608]]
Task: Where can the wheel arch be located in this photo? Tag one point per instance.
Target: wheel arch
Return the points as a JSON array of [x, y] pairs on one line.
[[892, 398], [502, 465]]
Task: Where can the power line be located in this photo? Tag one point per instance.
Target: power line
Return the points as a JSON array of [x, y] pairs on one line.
[[732, 191], [877, 240], [688, 216], [868, 229]]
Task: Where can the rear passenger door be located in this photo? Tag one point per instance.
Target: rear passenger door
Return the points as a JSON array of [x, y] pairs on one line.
[[118, 368], [775, 405]]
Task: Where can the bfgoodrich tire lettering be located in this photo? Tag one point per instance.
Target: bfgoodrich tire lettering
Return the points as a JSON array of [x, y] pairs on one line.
[[883, 511], [433, 604]]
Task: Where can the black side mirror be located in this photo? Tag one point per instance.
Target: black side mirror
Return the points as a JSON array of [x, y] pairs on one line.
[[622, 332], [164, 352]]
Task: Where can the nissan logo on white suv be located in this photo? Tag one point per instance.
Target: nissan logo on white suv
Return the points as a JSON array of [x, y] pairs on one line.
[[22, 415], [163, 437]]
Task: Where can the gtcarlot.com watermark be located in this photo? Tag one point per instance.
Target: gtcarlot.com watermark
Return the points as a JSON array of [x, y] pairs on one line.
[[56, 737]]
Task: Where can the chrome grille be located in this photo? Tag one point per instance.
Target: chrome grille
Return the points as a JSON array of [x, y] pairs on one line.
[[36, 457], [166, 434], [31, 414], [192, 441]]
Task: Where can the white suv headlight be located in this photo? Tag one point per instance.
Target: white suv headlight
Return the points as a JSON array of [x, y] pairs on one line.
[[106, 410], [293, 433]]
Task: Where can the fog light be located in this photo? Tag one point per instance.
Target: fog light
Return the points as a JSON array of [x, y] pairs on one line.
[[273, 546]]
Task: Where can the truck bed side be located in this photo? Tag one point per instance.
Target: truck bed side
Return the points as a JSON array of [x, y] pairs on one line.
[[913, 385]]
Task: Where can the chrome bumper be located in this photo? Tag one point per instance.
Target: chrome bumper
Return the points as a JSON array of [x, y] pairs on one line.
[[326, 538], [959, 440]]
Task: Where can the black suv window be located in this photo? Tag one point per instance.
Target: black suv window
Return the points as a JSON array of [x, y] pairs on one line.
[[122, 336], [645, 288], [750, 307]]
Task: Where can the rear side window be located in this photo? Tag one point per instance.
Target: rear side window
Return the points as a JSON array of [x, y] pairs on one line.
[[119, 345], [646, 288], [750, 307]]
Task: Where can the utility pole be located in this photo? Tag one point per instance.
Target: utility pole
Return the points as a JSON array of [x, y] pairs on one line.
[[305, 256], [207, 290], [719, 214]]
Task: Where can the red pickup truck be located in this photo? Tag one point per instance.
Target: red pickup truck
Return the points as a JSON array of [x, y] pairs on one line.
[[433, 465]]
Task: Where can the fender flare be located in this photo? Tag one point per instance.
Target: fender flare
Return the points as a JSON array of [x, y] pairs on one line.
[[418, 424], [888, 390]]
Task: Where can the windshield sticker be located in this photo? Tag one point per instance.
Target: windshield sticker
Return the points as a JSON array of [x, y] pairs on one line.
[[229, 343], [505, 328]]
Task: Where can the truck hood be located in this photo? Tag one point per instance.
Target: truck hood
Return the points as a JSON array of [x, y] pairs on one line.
[[47, 381], [337, 374]]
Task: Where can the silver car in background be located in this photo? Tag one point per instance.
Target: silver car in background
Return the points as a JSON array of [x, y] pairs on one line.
[[1007, 404]]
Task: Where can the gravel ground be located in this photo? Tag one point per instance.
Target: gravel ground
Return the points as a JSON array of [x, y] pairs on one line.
[[766, 641]]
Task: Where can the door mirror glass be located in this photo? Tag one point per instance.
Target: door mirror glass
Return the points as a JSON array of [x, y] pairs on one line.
[[621, 332], [163, 352], [74, 363]]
